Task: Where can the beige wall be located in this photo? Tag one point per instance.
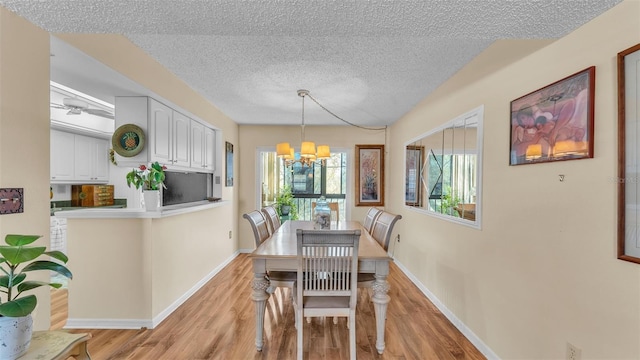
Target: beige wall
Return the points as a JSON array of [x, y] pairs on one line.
[[24, 134], [144, 266], [253, 137], [542, 271]]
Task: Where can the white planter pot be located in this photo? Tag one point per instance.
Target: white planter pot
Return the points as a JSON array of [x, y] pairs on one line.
[[15, 336], [151, 200]]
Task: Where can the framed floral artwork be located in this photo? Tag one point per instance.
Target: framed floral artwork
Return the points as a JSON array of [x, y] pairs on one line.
[[228, 164], [555, 122], [369, 175]]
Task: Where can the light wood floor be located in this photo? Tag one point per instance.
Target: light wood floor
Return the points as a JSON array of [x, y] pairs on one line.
[[218, 323]]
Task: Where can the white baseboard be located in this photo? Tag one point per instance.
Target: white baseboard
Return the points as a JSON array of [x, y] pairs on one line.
[[108, 324], [146, 323], [475, 340]]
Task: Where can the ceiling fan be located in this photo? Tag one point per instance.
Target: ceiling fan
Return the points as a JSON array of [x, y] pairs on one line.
[[77, 106]]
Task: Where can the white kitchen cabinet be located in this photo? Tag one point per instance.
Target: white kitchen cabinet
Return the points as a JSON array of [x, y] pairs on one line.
[[169, 135], [197, 145], [179, 141], [209, 150], [160, 132], [202, 147], [181, 134], [78, 158], [62, 155]]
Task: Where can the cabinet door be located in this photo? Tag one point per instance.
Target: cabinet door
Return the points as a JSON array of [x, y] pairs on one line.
[[83, 158], [209, 149], [160, 132], [181, 134], [62, 156], [197, 145], [100, 154]]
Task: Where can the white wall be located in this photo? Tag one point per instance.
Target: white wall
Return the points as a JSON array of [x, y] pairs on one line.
[[542, 271]]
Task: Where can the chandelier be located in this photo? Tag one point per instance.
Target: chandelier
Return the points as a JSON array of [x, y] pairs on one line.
[[309, 153]]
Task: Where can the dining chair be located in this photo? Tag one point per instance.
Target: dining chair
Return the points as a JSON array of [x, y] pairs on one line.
[[273, 219], [258, 225], [335, 210], [261, 233], [325, 285], [381, 232], [370, 218]]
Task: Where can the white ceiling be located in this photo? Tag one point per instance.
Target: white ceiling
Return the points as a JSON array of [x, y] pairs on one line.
[[368, 61]]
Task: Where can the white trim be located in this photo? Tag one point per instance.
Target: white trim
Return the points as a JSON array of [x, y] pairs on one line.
[[473, 338], [108, 324], [146, 323]]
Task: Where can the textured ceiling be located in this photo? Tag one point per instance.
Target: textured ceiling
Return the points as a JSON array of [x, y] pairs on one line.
[[369, 62]]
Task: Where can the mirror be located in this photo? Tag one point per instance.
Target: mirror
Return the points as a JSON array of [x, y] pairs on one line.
[[628, 154], [443, 170]]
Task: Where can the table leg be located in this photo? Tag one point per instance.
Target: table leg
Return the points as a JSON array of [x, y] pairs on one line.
[[259, 285], [380, 300]]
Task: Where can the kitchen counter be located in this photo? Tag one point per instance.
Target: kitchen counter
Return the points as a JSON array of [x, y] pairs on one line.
[[137, 213], [69, 208]]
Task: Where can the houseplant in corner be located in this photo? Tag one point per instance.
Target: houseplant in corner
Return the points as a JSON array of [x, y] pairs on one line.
[[286, 204], [150, 179], [17, 259]]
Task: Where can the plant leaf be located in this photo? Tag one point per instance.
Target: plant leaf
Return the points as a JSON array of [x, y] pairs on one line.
[[20, 307], [59, 255], [17, 279], [48, 265], [20, 240], [30, 285], [17, 254]]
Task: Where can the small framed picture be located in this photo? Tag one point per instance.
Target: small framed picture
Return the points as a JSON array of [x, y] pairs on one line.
[[229, 164], [369, 175]]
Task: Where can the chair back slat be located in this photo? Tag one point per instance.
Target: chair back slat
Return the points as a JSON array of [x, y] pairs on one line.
[[382, 228], [326, 262], [370, 218], [273, 220], [258, 225]]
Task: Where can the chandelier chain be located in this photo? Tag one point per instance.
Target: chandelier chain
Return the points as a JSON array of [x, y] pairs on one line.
[[336, 116]]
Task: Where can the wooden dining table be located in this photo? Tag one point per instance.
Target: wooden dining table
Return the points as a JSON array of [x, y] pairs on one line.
[[279, 253]]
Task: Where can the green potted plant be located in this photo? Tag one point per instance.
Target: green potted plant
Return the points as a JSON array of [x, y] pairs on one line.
[[151, 180], [286, 204], [147, 178], [17, 258]]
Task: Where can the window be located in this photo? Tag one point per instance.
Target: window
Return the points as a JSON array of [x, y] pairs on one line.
[[308, 183]]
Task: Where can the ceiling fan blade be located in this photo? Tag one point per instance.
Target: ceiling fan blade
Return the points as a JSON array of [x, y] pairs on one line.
[[99, 112], [74, 111], [57, 106]]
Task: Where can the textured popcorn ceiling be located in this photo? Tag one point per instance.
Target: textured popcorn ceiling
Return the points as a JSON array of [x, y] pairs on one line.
[[367, 61]]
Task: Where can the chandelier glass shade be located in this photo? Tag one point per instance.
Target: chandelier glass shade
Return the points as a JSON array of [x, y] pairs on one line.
[[309, 153]]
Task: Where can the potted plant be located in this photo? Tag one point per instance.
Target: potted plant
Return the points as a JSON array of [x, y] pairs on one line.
[[17, 259], [286, 204], [151, 180]]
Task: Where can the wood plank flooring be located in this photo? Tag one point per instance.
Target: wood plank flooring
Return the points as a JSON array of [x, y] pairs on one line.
[[218, 323]]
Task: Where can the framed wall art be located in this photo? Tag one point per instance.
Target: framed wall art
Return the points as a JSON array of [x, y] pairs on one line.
[[413, 166], [369, 175], [628, 180], [228, 163], [555, 122]]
